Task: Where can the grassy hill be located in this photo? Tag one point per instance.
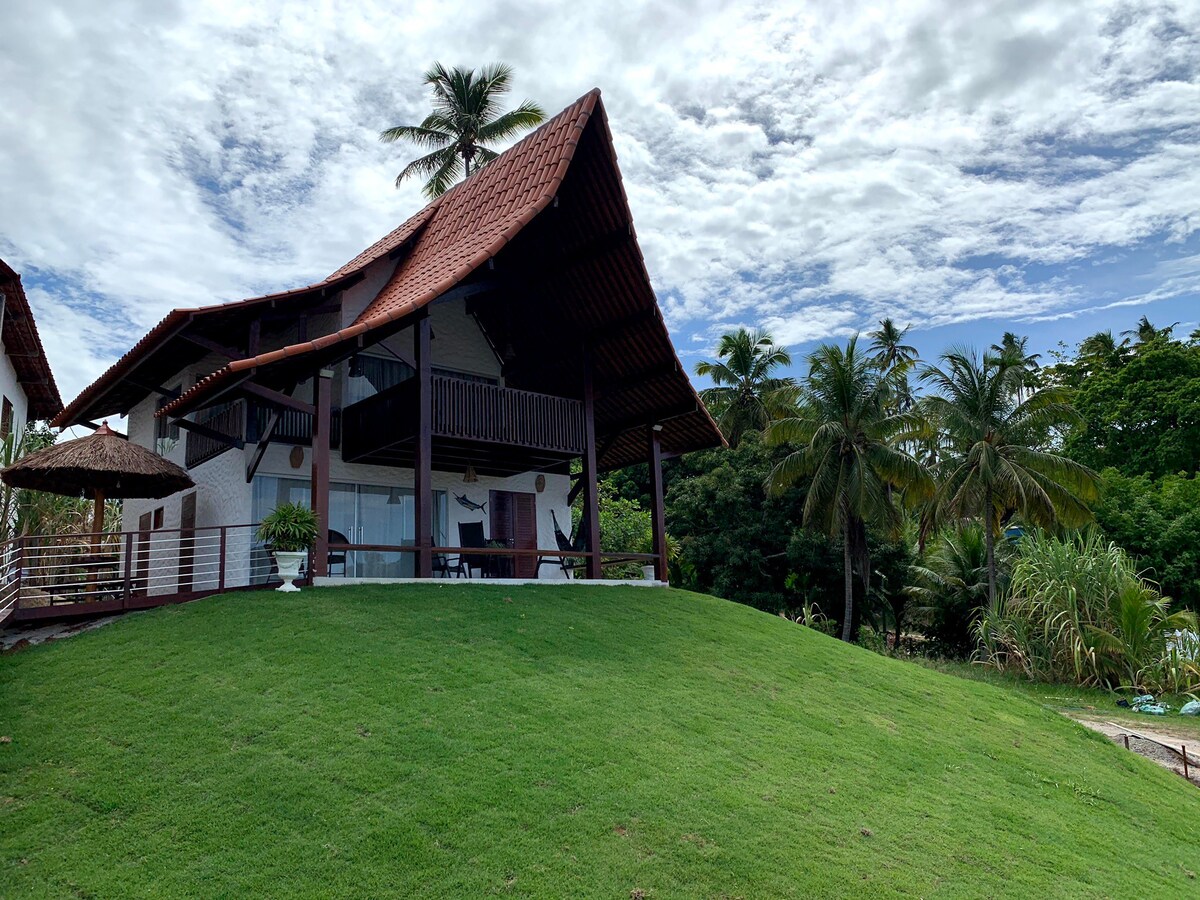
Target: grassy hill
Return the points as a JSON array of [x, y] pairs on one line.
[[441, 741]]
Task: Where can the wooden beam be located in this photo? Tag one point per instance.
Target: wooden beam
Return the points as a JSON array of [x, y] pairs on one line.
[[591, 503], [423, 462], [205, 431], [655, 417], [322, 425], [618, 385], [263, 442], [658, 519], [275, 398], [212, 346], [170, 393]]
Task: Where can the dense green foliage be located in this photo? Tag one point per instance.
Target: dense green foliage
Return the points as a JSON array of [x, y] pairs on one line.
[[466, 118], [1158, 521], [950, 588], [551, 741], [1140, 407], [1076, 611]]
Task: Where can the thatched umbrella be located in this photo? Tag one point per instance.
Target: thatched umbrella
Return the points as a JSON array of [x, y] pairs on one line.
[[102, 465]]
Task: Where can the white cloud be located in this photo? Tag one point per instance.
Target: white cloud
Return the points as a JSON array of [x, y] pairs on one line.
[[807, 167]]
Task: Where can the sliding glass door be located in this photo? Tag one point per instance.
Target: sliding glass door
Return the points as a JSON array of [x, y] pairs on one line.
[[360, 514]]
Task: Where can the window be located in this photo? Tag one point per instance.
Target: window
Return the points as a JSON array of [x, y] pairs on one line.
[[166, 430], [368, 375], [360, 513], [6, 419]]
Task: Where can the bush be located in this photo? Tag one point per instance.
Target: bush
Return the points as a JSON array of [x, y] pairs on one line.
[[290, 528], [950, 588], [1078, 611]]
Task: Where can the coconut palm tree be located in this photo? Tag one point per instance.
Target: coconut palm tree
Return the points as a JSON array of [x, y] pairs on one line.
[[893, 355], [1102, 351], [1017, 348], [1147, 331], [992, 464], [466, 118], [746, 394], [848, 449], [887, 343]]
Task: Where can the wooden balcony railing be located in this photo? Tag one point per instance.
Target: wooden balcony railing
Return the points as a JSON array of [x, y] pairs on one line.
[[294, 427], [226, 419], [467, 411]]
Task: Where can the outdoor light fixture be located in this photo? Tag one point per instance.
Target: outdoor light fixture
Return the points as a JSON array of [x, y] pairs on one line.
[[469, 477], [656, 427]]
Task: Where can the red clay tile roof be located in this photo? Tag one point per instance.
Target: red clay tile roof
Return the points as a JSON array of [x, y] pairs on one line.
[[456, 236], [467, 225], [24, 348]]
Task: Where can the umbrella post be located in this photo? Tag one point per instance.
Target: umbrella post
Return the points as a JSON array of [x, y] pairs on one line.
[[98, 519], [97, 537]]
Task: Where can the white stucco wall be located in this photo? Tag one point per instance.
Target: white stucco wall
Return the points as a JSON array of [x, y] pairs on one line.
[[11, 388]]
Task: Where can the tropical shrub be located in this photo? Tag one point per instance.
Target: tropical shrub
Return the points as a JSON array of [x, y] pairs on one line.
[[1077, 610], [950, 588]]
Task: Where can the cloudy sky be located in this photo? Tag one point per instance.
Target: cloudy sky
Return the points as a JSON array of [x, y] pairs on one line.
[[964, 167]]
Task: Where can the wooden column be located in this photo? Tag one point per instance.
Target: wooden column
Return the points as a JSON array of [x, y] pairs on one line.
[[423, 459], [658, 519], [591, 494], [322, 425]]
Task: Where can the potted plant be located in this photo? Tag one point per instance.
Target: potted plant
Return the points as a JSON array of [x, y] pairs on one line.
[[289, 532]]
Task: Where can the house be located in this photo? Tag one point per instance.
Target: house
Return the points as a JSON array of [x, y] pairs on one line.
[[27, 389], [444, 379]]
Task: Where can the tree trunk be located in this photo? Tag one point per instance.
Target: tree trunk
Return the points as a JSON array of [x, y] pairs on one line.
[[848, 582], [990, 541]]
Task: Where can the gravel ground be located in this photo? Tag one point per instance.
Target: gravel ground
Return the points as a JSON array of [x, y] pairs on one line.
[[1148, 748]]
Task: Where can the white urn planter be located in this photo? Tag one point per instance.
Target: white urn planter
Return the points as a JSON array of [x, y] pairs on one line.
[[289, 562], [648, 573]]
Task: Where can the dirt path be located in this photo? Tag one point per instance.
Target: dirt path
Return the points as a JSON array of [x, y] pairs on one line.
[[1148, 748]]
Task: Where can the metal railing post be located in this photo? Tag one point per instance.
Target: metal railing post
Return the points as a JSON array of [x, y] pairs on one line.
[[20, 564], [127, 585], [221, 558]]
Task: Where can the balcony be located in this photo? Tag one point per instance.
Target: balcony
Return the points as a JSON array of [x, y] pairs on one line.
[[248, 420], [497, 430]]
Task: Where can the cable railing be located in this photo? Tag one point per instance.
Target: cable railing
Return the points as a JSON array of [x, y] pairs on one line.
[[43, 576], [77, 574]]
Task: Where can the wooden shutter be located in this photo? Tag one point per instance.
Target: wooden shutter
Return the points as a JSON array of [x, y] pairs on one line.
[[525, 533], [187, 541], [501, 517]]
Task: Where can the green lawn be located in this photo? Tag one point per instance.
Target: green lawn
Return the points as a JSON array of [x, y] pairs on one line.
[[1091, 703], [466, 742]]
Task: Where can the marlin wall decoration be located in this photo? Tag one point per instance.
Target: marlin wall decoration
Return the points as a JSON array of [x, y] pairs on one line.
[[470, 504]]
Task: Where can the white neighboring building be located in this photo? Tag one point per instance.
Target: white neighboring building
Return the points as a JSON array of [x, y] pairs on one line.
[[27, 389]]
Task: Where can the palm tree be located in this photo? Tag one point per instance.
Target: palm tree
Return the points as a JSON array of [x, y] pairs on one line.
[[847, 439], [466, 118], [1147, 331], [893, 355], [1016, 348], [888, 347], [993, 464], [747, 395], [1102, 351]]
